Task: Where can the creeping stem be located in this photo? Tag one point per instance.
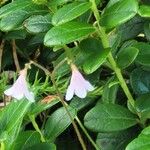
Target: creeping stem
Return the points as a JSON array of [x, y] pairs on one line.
[[111, 60]]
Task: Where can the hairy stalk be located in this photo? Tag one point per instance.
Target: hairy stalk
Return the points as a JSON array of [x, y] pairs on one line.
[[1, 53], [32, 118], [63, 103], [15, 56], [113, 63]]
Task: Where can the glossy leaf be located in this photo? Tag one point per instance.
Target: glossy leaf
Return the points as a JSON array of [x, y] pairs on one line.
[[144, 53], [144, 11], [37, 24], [15, 5], [140, 81], [44, 146], [12, 114], [110, 92], [79, 104], [141, 143], [67, 33], [58, 122], [119, 12], [109, 117], [93, 50], [142, 105], [115, 140], [70, 12], [127, 56], [25, 140], [16, 15]]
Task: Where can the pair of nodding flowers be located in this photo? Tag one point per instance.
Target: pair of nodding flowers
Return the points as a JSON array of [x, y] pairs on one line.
[[78, 86]]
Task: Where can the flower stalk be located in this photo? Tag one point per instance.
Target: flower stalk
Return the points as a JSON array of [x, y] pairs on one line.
[[63, 103]]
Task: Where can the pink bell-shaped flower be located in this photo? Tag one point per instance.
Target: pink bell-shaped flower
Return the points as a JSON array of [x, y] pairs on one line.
[[78, 85], [20, 88]]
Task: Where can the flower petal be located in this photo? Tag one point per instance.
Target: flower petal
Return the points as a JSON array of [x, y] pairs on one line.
[[89, 86], [29, 95], [80, 92], [70, 92], [14, 93]]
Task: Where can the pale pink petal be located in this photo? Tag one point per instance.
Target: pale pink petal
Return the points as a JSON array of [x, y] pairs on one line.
[[14, 93], [78, 85], [20, 89], [29, 95], [81, 92], [70, 93], [89, 86]]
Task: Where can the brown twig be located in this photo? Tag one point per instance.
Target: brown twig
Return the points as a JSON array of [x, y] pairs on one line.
[[1, 53], [15, 56]]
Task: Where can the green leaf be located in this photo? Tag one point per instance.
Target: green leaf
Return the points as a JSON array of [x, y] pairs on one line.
[[93, 51], [58, 122], [67, 33], [56, 3], [142, 105], [16, 18], [37, 24], [11, 119], [144, 11], [115, 140], [140, 81], [18, 34], [145, 131], [26, 139], [110, 92], [21, 5], [13, 6], [147, 30], [131, 29], [43, 146], [12, 134], [119, 12], [126, 57], [70, 12], [144, 53], [141, 143], [12, 114], [79, 104], [109, 118], [17, 15]]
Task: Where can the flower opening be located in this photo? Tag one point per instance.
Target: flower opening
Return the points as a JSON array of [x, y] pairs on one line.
[[20, 89], [78, 85]]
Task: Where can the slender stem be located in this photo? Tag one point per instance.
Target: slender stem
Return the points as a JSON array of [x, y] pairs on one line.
[[68, 54], [87, 134], [2, 146], [15, 56], [63, 103], [1, 53], [105, 43], [58, 65], [35, 125]]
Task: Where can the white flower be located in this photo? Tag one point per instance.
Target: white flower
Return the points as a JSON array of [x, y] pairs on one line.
[[78, 85], [20, 88]]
